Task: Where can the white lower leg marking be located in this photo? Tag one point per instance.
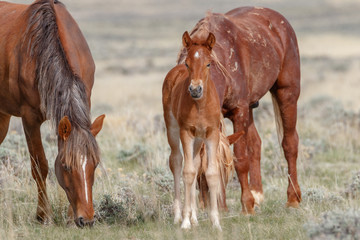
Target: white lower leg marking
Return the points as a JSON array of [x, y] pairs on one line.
[[84, 162], [258, 196]]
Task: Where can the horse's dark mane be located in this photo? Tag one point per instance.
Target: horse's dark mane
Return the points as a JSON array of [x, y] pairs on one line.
[[62, 93]]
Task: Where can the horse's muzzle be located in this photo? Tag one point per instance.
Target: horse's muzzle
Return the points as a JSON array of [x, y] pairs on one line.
[[81, 222], [196, 92]]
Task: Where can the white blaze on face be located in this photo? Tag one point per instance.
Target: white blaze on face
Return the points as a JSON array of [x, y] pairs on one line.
[[196, 54], [84, 162]]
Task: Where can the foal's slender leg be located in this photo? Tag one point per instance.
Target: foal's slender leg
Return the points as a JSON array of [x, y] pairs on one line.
[[240, 121], [189, 173], [4, 126], [175, 161], [213, 177], [197, 162], [39, 165], [254, 151]]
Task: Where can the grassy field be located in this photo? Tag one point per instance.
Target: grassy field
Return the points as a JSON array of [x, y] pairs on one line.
[[134, 44]]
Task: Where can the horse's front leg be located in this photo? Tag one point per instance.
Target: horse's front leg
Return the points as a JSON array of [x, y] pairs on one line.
[[39, 165], [196, 161], [213, 176], [175, 160], [189, 173]]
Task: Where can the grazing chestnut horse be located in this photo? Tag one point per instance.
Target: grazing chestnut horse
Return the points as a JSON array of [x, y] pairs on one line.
[[256, 51], [47, 72]]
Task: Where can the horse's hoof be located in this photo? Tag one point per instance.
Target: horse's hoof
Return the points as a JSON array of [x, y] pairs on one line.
[[177, 219], [248, 211], [217, 227], [292, 204], [186, 224], [194, 221]]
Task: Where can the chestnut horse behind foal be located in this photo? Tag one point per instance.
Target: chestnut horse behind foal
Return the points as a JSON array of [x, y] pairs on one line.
[[192, 116], [47, 72], [256, 51]]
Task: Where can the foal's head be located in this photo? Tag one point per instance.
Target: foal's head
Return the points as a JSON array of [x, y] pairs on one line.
[[198, 62], [75, 168]]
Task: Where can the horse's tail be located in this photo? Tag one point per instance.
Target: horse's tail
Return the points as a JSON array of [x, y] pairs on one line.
[[278, 120], [225, 163], [224, 156]]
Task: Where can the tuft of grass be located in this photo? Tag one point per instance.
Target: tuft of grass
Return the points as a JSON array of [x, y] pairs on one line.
[[335, 225], [353, 189]]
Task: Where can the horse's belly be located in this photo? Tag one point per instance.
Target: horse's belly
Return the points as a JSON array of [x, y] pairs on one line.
[[262, 79]]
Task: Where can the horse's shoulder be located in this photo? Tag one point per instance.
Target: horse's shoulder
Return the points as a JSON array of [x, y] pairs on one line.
[[175, 75]]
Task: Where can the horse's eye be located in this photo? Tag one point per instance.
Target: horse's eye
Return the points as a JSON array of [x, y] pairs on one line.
[[186, 65], [67, 168], [208, 65]]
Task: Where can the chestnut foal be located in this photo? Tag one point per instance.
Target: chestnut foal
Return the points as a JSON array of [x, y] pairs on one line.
[[192, 115]]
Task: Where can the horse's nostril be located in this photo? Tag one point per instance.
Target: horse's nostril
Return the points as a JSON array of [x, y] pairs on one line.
[[191, 88], [80, 222], [91, 223], [200, 89]]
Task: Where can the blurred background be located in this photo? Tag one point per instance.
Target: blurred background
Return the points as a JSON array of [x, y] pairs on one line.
[[138, 41]]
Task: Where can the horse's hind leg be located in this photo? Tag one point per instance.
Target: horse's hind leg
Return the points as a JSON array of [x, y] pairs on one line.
[[203, 191], [39, 165], [286, 92], [254, 151], [4, 126], [240, 119], [175, 160]]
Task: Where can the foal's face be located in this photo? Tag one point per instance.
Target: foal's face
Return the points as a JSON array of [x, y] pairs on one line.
[[198, 62], [77, 181]]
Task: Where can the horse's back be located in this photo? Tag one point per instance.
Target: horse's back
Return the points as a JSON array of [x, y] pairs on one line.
[[17, 74], [279, 34], [252, 45], [272, 22]]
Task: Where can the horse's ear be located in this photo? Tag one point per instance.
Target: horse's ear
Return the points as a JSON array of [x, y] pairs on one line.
[[52, 2], [64, 128], [210, 41], [187, 42], [233, 138], [97, 125]]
